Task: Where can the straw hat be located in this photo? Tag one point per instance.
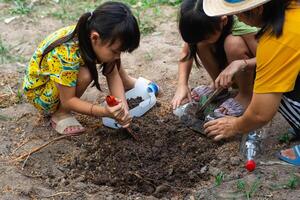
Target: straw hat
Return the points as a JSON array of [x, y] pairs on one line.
[[229, 7]]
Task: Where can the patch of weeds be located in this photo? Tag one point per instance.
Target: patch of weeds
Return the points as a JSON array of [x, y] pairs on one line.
[[241, 185], [219, 178], [4, 118], [148, 56], [284, 138], [147, 10], [21, 7], [71, 10], [4, 53], [19, 96], [248, 190], [293, 182]]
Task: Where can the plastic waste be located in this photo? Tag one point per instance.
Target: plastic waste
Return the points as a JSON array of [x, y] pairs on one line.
[[141, 89], [251, 148]]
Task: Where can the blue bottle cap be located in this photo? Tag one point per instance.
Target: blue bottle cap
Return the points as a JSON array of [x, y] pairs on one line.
[[153, 87]]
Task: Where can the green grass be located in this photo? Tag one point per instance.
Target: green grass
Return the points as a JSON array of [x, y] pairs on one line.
[[248, 190], [146, 11], [21, 7], [219, 178], [4, 53], [293, 182]]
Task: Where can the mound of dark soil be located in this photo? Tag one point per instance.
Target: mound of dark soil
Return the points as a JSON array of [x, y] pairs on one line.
[[167, 159]]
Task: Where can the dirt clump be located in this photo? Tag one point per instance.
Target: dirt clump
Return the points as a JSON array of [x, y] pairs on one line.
[[134, 102]]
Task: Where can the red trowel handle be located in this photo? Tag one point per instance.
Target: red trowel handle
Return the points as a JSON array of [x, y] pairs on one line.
[[111, 101]]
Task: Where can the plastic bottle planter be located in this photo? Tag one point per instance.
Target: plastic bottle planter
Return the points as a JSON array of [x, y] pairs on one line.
[[141, 89]]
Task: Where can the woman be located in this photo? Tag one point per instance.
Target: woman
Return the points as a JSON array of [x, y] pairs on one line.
[[277, 83]]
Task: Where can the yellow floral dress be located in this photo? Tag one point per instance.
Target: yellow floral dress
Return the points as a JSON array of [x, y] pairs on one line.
[[60, 65]]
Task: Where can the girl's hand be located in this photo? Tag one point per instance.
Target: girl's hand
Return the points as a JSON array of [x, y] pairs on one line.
[[225, 78], [182, 93], [119, 113], [221, 128]]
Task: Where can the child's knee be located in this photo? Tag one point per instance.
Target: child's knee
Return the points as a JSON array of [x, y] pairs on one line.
[[235, 47]]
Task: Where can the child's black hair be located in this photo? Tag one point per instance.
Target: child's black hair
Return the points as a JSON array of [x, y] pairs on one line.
[[113, 21], [195, 26]]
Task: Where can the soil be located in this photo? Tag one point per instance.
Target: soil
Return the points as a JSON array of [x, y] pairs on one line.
[[132, 103], [169, 161]]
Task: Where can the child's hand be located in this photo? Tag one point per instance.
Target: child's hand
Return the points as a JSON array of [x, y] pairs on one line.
[[119, 113], [225, 78], [183, 92]]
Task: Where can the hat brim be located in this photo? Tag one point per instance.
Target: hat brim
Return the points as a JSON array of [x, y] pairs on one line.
[[220, 7]]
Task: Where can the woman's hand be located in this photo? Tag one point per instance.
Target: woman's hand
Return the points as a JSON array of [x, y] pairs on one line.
[[221, 128], [225, 78], [183, 93], [120, 113]]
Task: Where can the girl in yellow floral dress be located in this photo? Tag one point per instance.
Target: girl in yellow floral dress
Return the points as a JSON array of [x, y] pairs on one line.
[[64, 64]]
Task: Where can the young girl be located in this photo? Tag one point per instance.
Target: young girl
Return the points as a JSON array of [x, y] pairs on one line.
[[277, 82], [225, 46], [65, 64]]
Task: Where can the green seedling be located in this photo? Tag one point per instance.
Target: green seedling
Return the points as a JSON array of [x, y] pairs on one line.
[[248, 191], [284, 138], [19, 96], [21, 8], [219, 178], [293, 182], [241, 185]]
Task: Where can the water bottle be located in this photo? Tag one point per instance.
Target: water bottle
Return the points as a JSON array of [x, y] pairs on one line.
[[251, 147]]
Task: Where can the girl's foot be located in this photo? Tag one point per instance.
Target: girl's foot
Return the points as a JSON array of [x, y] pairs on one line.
[[66, 125]]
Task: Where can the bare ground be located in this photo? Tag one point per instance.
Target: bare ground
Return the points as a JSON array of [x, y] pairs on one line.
[[171, 161]]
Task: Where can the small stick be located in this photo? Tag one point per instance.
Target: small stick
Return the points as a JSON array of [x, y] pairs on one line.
[[56, 194], [143, 179], [40, 147], [24, 163], [22, 144]]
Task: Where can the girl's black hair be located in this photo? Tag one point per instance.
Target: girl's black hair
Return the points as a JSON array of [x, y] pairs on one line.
[[113, 21], [273, 17], [195, 26]]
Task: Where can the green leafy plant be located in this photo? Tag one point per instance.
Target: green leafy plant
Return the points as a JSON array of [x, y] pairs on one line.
[[284, 138], [219, 178], [293, 182], [241, 185], [21, 7], [4, 53], [248, 190]]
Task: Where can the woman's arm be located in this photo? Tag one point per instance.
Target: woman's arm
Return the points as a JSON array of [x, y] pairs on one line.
[[261, 110]]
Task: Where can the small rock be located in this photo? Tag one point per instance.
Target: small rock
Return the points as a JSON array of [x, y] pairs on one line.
[[80, 186], [8, 20], [214, 171], [203, 169], [192, 175], [161, 188], [235, 161]]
